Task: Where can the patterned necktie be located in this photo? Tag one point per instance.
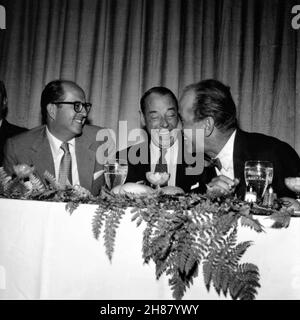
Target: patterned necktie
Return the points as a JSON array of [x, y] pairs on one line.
[[65, 168], [162, 166]]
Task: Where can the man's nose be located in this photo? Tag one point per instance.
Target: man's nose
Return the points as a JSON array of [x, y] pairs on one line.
[[163, 123]]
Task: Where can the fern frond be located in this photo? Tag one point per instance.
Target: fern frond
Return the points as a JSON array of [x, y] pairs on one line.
[[98, 221], [37, 185], [50, 179], [250, 222], [244, 282], [71, 206], [111, 224], [178, 286], [146, 249], [237, 252], [4, 181], [207, 273]]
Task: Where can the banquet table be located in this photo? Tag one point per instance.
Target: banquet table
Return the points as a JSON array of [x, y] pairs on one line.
[[46, 253]]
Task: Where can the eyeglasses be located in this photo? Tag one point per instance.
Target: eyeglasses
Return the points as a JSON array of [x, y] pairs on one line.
[[77, 105]]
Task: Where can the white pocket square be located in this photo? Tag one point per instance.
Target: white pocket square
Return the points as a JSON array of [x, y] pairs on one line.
[[98, 174], [195, 186]]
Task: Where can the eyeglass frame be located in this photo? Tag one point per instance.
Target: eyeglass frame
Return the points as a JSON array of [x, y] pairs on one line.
[[86, 105]]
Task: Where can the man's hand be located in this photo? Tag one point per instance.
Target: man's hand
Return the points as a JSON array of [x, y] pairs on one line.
[[222, 184]]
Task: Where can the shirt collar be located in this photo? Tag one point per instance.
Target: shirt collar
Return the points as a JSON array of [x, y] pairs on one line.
[[226, 154], [155, 152], [56, 143]]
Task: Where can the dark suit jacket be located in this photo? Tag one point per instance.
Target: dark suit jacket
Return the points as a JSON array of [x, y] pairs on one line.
[[137, 172], [7, 130], [256, 146], [33, 148]]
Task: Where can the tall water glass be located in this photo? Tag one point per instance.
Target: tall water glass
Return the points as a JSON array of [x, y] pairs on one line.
[[258, 175], [115, 173]]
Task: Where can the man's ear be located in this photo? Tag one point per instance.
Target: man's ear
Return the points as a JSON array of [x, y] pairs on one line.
[[4, 102], [209, 126], [51, 110], [143, 120]]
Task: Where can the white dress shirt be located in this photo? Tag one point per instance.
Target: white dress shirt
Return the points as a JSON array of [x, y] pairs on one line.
[[171, 160], [57, 154], [226, 158]]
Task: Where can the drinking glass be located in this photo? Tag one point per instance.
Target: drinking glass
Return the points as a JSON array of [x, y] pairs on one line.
[[293, 183], [258, 175], [115, 173]]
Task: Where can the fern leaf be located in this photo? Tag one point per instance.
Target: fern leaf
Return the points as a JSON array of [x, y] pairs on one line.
[[244, 282], [98, 221], [147, 250], [237, 252], [50, 179], [4, 181], [207, 273], [37, 185], [178, 286], [252, 223], [111, 224], [71, 206]]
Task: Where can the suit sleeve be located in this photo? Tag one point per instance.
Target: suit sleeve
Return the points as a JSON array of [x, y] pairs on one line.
[[290, 167], [10, 157]]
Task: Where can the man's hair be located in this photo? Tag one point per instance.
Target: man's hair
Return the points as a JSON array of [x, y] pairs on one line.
[[54, 91], [213, 99], [163, 91], [3, 95]]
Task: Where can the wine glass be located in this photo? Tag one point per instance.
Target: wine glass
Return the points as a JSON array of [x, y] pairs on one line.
[[293, 183], [115, 173], [158, 178], [258, 175]]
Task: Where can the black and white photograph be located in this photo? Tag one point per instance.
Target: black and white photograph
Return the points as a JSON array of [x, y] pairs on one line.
[[149, 151]]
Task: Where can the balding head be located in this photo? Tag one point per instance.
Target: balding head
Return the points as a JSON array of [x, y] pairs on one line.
[[55, 91]]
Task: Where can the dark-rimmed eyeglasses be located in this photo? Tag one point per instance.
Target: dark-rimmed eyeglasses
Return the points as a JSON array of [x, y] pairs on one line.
[[77, 105]]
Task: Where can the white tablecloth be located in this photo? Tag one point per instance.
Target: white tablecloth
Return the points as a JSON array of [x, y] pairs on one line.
[[47, 254]]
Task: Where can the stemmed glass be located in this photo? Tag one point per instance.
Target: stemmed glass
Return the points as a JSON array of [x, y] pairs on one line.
[[115, 173], [158, 178], [293, 183], [258, 175]]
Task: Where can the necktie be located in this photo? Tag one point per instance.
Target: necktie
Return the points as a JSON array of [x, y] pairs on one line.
[[65, 168], [162, 166], [213, 162]]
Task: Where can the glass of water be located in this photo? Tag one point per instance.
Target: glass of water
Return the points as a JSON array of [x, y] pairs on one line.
[[115, 173], [258, 175]]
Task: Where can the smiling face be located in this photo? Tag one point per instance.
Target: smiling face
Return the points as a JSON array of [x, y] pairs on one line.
[[64, 122], [191, 129], [161, 119]]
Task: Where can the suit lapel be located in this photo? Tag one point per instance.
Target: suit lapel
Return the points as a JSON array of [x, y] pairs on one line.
[[41, 154], [239, 156], [85, 156]]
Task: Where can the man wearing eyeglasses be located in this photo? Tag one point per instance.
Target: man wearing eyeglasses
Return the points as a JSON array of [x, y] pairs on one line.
[[64, 146]]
